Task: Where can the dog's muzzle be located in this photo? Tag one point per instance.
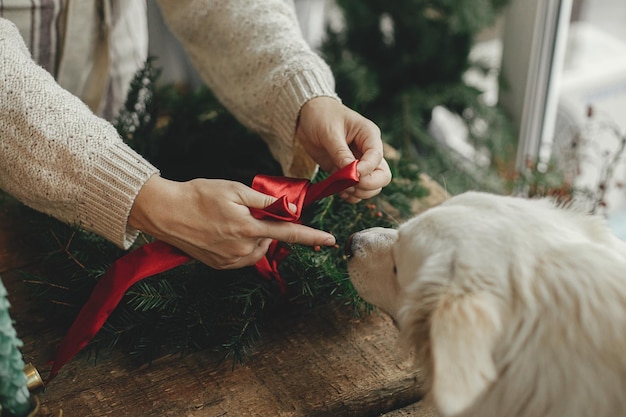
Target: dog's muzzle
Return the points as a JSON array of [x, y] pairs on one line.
[[347, 247]]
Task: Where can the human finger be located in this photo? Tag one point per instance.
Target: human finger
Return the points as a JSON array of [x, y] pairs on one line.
[[296, 233], [252, 198], [339, 152], [249, 259], [376, 179], [358, 195], [368, 147], [350, 198], [369, 185]]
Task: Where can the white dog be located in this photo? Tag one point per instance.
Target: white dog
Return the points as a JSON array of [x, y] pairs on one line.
[[512, 307]]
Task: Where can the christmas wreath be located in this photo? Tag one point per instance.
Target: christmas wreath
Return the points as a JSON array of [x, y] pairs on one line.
[[190, 134]]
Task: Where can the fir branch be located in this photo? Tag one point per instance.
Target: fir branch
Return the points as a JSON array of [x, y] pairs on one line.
[[147, 296]]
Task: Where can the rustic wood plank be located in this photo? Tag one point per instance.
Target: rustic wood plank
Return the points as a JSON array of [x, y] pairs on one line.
[[419, 409], [323, 363]]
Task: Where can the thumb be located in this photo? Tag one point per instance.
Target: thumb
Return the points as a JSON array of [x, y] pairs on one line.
[[340, 153], [255, 199]]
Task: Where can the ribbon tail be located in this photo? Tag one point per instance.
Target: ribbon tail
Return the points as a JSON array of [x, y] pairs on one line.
[[148, 260], [267, 266], [339, 181]]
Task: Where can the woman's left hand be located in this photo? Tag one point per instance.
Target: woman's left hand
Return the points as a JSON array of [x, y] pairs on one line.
[[335, 135]]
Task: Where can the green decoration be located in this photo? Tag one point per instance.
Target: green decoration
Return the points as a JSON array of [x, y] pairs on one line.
[[14, 395]]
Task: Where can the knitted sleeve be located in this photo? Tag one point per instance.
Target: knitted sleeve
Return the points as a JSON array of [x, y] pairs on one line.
[[56, 156], [252, 55]]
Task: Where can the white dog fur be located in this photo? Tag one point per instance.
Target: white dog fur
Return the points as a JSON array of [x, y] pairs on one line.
[[512, 307]]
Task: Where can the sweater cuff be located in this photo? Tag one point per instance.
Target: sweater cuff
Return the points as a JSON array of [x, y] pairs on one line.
[[110, 193], [299, 89]]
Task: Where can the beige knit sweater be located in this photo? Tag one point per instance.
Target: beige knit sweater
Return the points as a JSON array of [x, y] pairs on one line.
[[59, 158]]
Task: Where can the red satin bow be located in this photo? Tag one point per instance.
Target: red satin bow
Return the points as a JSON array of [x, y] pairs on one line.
[[156, 257]]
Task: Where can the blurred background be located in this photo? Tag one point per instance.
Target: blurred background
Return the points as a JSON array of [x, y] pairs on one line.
[[510, 96]]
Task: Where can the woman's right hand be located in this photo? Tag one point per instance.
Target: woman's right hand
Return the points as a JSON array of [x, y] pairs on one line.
[[210, 220]]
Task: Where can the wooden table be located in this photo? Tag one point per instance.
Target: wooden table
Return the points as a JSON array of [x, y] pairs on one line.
[[323, 363]]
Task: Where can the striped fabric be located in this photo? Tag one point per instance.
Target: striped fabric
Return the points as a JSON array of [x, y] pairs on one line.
[[41, 24], [92, 47]]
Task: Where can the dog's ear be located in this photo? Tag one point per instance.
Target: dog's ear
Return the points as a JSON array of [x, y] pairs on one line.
[[462, 334]]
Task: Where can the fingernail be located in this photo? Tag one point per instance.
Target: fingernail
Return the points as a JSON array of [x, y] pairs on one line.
[[330, 241]]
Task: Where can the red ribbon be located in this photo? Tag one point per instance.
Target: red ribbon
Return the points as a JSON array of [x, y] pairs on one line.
[[156, 257]]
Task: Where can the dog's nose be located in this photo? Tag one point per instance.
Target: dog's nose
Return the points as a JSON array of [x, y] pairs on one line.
[[347, 248]]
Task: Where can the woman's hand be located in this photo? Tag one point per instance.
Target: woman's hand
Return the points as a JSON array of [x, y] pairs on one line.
[[210, 220], [335, 135]]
